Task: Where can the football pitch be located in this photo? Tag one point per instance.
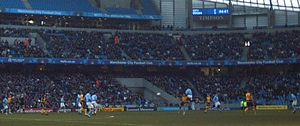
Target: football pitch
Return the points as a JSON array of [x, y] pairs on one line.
[[158, 118]]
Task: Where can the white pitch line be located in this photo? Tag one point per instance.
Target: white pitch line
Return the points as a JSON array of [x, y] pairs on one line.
[[79, 120]]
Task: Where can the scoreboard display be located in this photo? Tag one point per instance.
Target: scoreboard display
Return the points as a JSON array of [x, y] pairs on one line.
[[210, 11]]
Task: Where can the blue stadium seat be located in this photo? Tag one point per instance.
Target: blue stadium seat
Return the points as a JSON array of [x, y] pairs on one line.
[[149, 8], [64, 5], [113, 10], [12, 4]]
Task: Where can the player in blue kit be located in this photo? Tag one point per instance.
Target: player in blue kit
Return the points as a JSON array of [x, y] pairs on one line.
[[88, 100], [94, 103], [62, 104], [5, 105], [217, 102], [78, 101], [294, 102], [189, 94]]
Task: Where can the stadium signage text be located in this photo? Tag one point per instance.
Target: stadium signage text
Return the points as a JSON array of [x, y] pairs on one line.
[[15, 60], [152, 62], [37, 110], [140, 109], [87, 14], [271, 107], [169, 108], [212, 18], [111, 109], [210, 11], [67, 61]]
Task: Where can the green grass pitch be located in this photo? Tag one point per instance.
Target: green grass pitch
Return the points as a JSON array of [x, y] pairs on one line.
[[160, 118]]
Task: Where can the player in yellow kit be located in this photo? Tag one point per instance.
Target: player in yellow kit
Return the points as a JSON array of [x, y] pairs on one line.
[[9, 103], [249, 100], [83, 106], [207, 102], [183, 103], [44, 103]]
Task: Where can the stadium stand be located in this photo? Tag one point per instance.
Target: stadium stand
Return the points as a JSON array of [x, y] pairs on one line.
[[161, 46], [113, 10], [174, 84], [80, 44], [221, 84], [214, 46], [65, 5], [277, 45], [273, 88], [150, 46], [12, 4], [19, 48], [148, 8], [55, 84]]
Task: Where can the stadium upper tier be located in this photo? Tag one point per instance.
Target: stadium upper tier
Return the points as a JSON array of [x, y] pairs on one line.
[[151, 46], [149, 8], [77, 6], [113, 10], [64, 5], [291, 5], [12, 4]]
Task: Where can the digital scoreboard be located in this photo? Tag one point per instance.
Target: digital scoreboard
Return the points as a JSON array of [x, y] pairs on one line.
[[210, 11]]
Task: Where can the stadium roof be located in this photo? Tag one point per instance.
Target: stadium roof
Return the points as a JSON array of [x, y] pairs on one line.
[[290, 5]]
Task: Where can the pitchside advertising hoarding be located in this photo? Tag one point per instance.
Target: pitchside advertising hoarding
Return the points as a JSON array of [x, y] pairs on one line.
[[141, 109], [37, 110], [111, 109], [169, 108], [271, 107]]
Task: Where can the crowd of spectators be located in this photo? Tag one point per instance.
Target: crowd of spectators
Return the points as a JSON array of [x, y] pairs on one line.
[[266, 88], [150, 46], [21, 47], [277, 45], [33, 85], [226, 86], [220, 46], [273, 88], [80, 45], [173, 84], [70, 85]]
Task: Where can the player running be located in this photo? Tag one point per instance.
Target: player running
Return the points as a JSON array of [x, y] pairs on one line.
[[44, 103], [5, 105], [88, 100], [62, 104], [183, 103], [9, 103], [189, 94], [95, 104], [249, 100], [217, 102], [22, 104], [78, 101], [207, 103], [294, 102], [83, 105]]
